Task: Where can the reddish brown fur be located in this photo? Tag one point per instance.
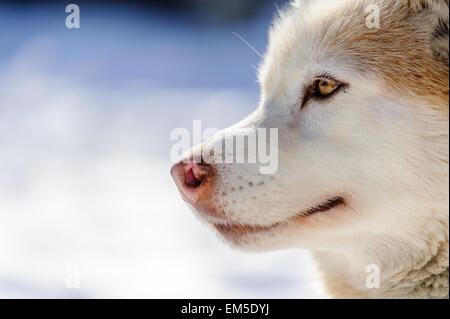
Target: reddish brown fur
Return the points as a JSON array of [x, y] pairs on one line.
[[399, 52]]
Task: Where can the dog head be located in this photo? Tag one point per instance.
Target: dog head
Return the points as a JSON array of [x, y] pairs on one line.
[[361, 142]]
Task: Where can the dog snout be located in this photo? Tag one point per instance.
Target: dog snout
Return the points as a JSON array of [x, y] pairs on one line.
[[189, 178]]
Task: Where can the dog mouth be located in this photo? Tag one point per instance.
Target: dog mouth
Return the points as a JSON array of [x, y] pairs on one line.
[[237, 230]]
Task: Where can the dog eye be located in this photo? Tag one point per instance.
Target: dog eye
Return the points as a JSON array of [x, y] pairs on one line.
[[321, 89], [325, 87]]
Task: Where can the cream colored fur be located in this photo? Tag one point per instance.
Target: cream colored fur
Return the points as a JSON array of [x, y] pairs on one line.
[[381, 144]]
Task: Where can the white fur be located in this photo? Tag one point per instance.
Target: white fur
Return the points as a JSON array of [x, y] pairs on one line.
[[387, 156]]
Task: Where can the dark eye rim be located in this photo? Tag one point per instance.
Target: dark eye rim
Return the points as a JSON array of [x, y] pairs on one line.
[[311, 91]]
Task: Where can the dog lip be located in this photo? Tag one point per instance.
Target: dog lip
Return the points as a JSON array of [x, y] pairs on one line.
[[329, 204], [234, 230], [237, 230]]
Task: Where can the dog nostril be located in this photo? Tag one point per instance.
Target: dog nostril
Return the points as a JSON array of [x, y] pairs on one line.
[[191, 180], [195, 174]]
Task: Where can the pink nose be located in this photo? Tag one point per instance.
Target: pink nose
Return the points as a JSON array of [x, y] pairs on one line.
[[189, 177]]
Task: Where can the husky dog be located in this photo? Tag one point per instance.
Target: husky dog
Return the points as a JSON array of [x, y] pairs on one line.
[[362, 113]]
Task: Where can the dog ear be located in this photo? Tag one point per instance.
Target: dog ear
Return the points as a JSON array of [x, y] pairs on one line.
[[439, 10]]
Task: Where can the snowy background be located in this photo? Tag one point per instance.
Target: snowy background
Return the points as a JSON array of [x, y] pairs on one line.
[[85, 192]]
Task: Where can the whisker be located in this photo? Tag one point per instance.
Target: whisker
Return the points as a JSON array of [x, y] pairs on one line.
[[249, 45]]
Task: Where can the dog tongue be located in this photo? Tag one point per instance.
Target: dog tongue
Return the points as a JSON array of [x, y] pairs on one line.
[[191, 180]]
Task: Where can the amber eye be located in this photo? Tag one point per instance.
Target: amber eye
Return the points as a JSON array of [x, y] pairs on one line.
[[321, 89], [325, 87]]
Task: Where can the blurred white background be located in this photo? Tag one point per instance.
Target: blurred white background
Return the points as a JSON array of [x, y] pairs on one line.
[[85, 189]]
